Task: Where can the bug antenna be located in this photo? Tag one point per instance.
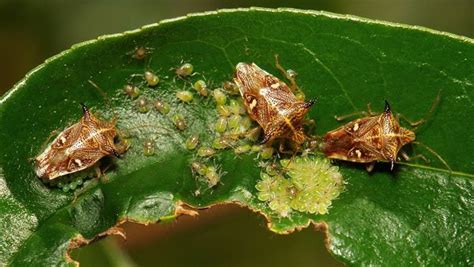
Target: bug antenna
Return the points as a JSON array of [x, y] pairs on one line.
[[102, 93], [116, 154], [85, 111], [387, 107], [287, 167], [266, 138], [84, 108], [392, 164], [310, 103], [434, 153], [431, 111]]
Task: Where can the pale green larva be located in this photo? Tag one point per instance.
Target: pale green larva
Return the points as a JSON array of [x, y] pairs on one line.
[[242, 149], [131, 90], [198, 167], [213, 177], [206, 152], [162, 107], [220, 125], [236, 107], [151, 78], [185, 70], [219, 97], [256, 148], [234, 121], [221, 143], [149, 147], [266, 152], [201, 87], [223, 110], [142, 105], [192, 142], [245, 124], [179, 122], [185, 96]]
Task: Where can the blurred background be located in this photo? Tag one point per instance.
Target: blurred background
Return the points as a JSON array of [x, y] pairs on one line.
[[32, 31]]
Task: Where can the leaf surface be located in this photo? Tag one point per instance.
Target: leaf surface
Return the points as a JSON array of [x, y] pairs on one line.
[[420, 213]]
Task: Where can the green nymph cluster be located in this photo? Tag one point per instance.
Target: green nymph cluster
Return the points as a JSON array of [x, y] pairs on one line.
[[310, 186]]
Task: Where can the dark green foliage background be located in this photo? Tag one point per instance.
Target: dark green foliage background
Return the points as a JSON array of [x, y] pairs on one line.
[[418, 214]]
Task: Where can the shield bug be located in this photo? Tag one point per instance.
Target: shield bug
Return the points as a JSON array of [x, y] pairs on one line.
[[370, 139], [271, 103], [77, 147]]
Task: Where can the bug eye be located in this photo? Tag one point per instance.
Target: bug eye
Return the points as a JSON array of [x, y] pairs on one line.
[[249, 98]]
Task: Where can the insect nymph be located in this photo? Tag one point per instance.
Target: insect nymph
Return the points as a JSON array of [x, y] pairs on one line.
[[368, 139], [77, 147], [271, 103]]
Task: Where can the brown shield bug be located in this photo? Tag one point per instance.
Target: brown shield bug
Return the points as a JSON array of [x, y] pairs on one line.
[[77, 147], [372, 138], [271, 103]]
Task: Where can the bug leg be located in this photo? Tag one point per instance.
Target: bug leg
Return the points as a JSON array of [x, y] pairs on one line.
[[419, 122], [88, 185], [285, 168], [412, 123], [314, 143], [346, 116], [370, 111], [122, 146], [417, 156], [434, 154], [51, 135], [101, 173], [287, 147], [290, 75], [102, 93], [370, 166], [310, 123], [281, 147]]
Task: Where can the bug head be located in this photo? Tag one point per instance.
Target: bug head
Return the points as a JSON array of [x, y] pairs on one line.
[[407, 136], [387, 108], [267, 137], [309, 104], [85, 111], [300, 110], [116, 154], [392, 164]]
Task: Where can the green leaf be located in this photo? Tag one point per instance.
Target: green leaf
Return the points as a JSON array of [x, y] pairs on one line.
[[418, 214]]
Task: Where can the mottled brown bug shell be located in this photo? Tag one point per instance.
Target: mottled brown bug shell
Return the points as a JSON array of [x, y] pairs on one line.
[[77, 147], [368, 139], [271, 103]]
